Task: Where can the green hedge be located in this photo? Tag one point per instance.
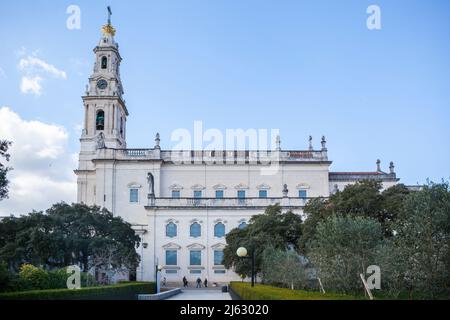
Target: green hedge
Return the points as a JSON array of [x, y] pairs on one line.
[[120, 291], [264, 292]]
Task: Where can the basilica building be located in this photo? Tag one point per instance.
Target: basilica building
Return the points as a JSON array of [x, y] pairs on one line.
[[183, 203]]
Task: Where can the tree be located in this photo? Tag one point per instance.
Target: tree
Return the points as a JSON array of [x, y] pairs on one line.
[[65, 235], [316, 210], [283, 268], [392, 206], [280, 230], [363, 199], [113, 259], [4, 145], [343, 248], [420, 251]]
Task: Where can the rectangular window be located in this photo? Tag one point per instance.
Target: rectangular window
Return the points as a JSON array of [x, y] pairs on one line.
[[196, 271], [176, 194], [263, 193], [197, 197], [241, 194], [171, 257], [219, 271], [171, 271], [302, 194], [195, 257], [218, 257], [197, 194], [219, 194], [134, 195]]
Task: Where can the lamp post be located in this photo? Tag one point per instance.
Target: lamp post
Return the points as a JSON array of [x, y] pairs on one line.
[[242, 253], [158, 269], [144, 246]]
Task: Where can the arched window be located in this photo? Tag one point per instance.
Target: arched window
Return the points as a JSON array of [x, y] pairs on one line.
[[219, 230], [100, 120], [195, 230], [171, 230], [104, 62], [243, 225]]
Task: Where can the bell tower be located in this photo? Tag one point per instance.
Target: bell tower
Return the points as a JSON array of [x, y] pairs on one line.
[[105, 112]]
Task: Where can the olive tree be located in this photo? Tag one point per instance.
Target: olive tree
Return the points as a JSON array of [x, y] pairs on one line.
[[283, 268], [343, 248], [419, 257]]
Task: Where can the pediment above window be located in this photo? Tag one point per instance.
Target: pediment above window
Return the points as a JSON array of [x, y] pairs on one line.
[[134, 185], [219, 187], [196, 246], [175, 187], [218, 246], [220, 220], [263, 186], [241, 186], [172, 220], [303, 186], [198, 187], [172, 246], [96, 78], [195, 220]]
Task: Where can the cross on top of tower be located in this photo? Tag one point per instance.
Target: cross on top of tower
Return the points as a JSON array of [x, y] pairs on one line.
[[108, 29], [109, 14]]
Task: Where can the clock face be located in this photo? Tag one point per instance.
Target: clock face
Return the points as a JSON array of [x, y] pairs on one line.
[[102, 84]]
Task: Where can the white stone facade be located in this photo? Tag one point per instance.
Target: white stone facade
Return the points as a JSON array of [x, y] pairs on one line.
[[198, 188]]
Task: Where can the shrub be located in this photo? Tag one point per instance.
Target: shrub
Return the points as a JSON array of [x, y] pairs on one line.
[[264, 292], [88, 280], [122, 291], [58, 279], [33, 277]]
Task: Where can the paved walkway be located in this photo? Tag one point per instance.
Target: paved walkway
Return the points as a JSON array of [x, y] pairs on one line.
[[201, 294]]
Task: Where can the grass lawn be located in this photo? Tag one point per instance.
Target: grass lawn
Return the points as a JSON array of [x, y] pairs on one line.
[[265, 292]]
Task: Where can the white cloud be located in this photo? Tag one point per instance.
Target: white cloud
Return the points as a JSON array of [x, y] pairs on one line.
[[31, 85], [2, 73], [43, 166], [33, 72], [33, 64]]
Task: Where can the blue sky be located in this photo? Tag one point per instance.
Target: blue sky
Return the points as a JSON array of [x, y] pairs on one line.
[[304, 67]]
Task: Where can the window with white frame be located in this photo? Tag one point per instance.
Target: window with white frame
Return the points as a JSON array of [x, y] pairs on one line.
[[195, 230], [218, 257], [195, 257], [243, 225], [134, 195], [171, 257], [176, 194], [219, 230], [171, 230], [241, 194], [302, 194]]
